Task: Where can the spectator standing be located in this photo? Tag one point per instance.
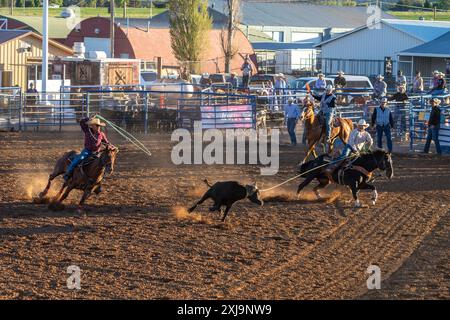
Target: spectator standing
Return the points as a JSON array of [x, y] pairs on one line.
[[383, 120], [379, 87], [280, 88], [246, 72], [417, 83], [434, 123], [291, 114], [32, 94], [339, 81], [401, 79], [320, 84], [233, 81]]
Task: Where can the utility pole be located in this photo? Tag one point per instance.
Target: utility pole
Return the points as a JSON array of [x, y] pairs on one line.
[[434, 12], [111, 26], [44, 45], [11, 8], [124, 9]]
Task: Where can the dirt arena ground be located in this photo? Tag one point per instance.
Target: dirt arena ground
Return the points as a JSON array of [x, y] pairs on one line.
[[136, 240]]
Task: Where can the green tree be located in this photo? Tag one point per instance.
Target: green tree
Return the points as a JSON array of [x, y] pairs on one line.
[[190, 24], [427, 4], [444, 4], [20, 3], [37, 3]]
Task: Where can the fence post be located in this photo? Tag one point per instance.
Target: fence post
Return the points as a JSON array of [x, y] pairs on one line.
[[145, 112], [87, 104], [411, 128]]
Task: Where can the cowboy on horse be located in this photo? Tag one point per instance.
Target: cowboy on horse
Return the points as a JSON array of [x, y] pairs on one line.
[[327, 110], [93, 140], [359, 140]]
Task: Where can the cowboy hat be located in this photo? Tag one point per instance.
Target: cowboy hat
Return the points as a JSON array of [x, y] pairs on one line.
[[340, 72], [362, 123], [329, 87], [436, 72], [380, 76], [384, 99], [435, 101], [290, 99], [320, 75], [95, 121]]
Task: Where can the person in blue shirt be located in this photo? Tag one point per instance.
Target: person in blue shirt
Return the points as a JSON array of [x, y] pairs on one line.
[[291, 114], [320, 84], [384, 121]]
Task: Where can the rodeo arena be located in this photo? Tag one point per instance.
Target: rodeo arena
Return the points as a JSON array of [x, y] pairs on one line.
[[313, 159]]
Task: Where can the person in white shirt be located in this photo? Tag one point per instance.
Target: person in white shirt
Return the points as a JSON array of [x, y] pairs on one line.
[[359, 140]]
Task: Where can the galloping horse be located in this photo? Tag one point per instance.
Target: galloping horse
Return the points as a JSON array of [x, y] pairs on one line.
[[87, 176], [356, 175], [316, 132]]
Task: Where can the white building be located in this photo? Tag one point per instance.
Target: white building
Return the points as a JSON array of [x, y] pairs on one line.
[[363, 50]]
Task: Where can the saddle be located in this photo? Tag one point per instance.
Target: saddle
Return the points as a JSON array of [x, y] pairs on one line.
[[86, 161]]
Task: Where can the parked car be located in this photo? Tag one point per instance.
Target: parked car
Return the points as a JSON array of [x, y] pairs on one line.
[[67, 13], [300, 83], [358, 89], [258, 84]]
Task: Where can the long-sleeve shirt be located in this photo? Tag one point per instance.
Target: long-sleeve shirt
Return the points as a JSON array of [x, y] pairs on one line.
[[92, 141], [320, 84], [327, 102], [382, 117], [435, 117], [358, 139], [379, 88], [291, 111]]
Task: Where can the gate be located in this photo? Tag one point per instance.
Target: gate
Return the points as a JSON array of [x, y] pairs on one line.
[[10, 108]]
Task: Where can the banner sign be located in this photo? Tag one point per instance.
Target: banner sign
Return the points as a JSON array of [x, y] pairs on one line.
[[227, 117]]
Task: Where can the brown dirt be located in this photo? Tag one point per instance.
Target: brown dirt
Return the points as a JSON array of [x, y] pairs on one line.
[[137, 240]]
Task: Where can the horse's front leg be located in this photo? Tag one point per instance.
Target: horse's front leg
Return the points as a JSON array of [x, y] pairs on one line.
[[322, 184], [355, 191], [86, 194], [58, 196], [374, 191], [304, 184], [49, 183]]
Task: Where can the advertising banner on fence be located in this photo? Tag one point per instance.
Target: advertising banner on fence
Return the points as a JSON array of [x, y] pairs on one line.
[[227, 117]]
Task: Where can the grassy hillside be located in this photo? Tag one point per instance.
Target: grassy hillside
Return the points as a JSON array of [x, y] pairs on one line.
[[445, 16]]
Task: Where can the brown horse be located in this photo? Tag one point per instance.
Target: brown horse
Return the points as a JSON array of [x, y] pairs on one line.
[[86, 177], [316, 132]]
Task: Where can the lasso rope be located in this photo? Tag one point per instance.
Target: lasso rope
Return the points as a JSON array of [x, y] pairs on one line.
[[301, 174], [128, 136]]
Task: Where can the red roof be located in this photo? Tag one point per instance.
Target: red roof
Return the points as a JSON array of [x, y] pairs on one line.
[[140, 44]]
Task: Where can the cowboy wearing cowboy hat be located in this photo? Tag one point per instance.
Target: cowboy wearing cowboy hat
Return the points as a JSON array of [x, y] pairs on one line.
[[379, 87], [291, 114], [327, 108], [320, 84], [93, 139], [384, 121], [359, 140], [434, 122], [339, 81]]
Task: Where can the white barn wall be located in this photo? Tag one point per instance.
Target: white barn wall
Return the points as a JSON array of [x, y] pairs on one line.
[[370, 44]]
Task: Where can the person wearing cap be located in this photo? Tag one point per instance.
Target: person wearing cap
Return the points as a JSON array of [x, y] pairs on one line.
[[320, 84], [379, 87], [93, 139], [327, 108], [291, 114], [384, 121], [358, 141], [434, 122]]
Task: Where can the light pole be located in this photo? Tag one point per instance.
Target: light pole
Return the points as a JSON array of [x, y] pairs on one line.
[[44, 45]]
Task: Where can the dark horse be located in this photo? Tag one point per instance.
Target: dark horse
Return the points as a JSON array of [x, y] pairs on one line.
[[356, 176], [87, 176]]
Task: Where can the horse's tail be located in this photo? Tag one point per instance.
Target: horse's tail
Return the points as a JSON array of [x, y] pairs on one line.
[[207, 183]]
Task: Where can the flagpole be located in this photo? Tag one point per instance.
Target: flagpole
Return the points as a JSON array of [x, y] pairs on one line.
[[44, 45]]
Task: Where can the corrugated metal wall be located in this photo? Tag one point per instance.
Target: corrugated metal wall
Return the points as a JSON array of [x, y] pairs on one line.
[[14, 60], [370, 44]]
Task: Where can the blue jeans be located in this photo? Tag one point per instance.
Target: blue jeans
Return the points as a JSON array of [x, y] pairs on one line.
[[80, 157], [328, 117], [433, 134], [345, 153], [291, 123], [386, 129]]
